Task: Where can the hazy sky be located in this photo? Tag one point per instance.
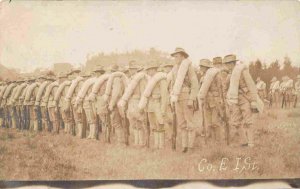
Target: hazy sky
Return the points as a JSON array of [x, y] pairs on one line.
[[38, 34]]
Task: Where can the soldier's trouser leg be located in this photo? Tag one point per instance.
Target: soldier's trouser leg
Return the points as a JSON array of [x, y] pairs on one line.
[[141, 136], [191, 138], [117, 124], [91, 122], [44, 118], [134, 126], [236, 130], [248, 122], [184, 120], [53, 119], [31, 120]]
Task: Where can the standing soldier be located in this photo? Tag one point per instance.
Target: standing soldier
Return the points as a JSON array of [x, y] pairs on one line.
[[39, 106], [289, 87], [297, 91], [89, 107], [52, 106], [274, 92], [60, 94], [97, 98], [211, 101], [30, 102], [129, 102], [19, 104], [114, 90], [261, 88], [183, 96], [70, 101], [25, 121], [243, 100], [5, 103], [12, 105], [282, 90], [155, 100], [80, 102], [2, 90]]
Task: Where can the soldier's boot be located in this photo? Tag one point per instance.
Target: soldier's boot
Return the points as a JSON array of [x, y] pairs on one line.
[[35, 125], [79, 130], [191, 138], [161, 139], [156, 139], [141, 137], [184, 140]]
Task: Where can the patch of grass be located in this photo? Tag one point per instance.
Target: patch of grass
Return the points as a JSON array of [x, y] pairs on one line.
[[2, 149], [293, 114], [272, 115], [7, 136]]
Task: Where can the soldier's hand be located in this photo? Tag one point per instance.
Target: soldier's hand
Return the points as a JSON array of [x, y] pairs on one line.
[[190, 104]]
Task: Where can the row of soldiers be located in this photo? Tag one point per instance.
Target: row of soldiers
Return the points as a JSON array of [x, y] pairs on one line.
[[282, 94], [154, 102]]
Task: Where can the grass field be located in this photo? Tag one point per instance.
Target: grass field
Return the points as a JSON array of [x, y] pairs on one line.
[[44, 156]]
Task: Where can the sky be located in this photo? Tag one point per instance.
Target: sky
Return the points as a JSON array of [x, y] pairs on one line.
[[39, 33]]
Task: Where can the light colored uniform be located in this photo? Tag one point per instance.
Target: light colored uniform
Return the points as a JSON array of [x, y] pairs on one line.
[[274, 93], [115, 117], [185, 115], [261, 89], [52, 108], [213, 109], [30, 101], [61, 103], [241, 116]]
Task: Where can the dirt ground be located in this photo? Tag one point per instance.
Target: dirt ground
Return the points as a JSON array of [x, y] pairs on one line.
[[44, 156]]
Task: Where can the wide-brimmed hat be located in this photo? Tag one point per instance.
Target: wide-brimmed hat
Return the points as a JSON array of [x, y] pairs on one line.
[[274, 79], [152, 64], [179, 50], [114, 68], [75, 70], [205, 63], [217, 60], [231, 58], [99, 69]]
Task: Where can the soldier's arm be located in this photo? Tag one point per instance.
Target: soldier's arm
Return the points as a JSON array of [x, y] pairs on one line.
[[194, 83], [164, 95], [115, 91]]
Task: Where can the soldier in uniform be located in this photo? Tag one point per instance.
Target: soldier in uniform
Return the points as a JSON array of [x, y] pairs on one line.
[[89, 107], [5, 103], [52, 106], [128, 104], [261, 88], [211, 102], [114, 90], [183, 96], [297, 91], [69, 101], [289, 87], [59, 97], [12, 104], [217, 62], [242, 101], [81, 92], [274, 92]]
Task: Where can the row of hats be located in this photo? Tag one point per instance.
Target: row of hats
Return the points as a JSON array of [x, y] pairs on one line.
[[231, 58]]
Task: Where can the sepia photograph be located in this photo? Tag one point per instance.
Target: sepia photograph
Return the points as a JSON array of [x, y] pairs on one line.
[[143, 90]]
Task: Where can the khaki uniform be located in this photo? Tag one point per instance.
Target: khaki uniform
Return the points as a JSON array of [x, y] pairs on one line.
[[32, 113], [5, 103], [213, 109], [136, 118], [241, 116], [12, 107], [185, 115], [156, 109], [261, 89], [61, 102], [274, 94], [19, 105], [52, 109], [78, 112], [115, 117]]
